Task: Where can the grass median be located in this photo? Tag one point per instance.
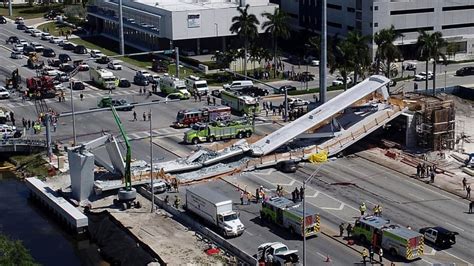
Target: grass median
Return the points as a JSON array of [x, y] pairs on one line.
[[55, 29], [28, 12]]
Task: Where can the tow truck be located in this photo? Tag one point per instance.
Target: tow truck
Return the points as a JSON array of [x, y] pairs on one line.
[[185, 118], [396, 239], [201, 132], [289, 215]]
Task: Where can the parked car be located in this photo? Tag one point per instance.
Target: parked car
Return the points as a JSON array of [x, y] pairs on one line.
[[22, 42], [96, 53], [38, 47], [465, 71], [55, 40], [115, 65], [54, 62], [7, 131], [439, 236], [78, 85], [12, 39], [3, 20], [282, 89], [18, 48], [63, 42], [292, 102], [254, 91], [103, 59], [69, 46], [28, 29], [422, 76], [46, 36], [124, 83], [28, 50], [19, 20], [66, 67], [80, 49], [21, 27], [36, 33], [4, 93], [141, 80], [48, 52], [120, 104], [159, 186], [16, 55], [64, 58], [83, 66], [340, 81], [288, 166]]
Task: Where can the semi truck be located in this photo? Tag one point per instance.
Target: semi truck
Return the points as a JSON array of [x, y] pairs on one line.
[[396, 239], [185, 118], [175, 86], [289, 215], [215, 209], [196, 85], [202, 132], [103, 78], [241, 104]]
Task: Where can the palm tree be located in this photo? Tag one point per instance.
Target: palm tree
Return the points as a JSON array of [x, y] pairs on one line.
[[361, 51], [343, 52], [429, 47], [386, 50], [245, 25], [277, 26]]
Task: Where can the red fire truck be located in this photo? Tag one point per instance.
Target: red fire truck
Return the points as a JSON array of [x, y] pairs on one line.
[[185, 118]]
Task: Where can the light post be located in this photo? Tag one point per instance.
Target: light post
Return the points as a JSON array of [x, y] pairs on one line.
[[73, 115], [286, 104], [313, 174], [323, 58], [151, 168], [445, 79], [403, 59]]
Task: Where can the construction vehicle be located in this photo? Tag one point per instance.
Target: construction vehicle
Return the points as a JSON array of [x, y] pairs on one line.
[[103, 78], [185, 118], [41, 87], [202, 132], [241, 104], [396, 239], [289, 215], [126, 196], [175, 86], [34, 61], [14, 81], [196, 85], [215, 209], [277, 253]]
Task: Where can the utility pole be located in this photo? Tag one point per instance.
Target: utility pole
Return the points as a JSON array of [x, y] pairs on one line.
[[286, 104], [323, 61], [151, 168], [176, 50], [48, 135], [73, 115], [122, 45], [10, 10]]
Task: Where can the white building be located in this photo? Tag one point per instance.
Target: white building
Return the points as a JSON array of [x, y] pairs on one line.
[[194, 25], [453, 18]]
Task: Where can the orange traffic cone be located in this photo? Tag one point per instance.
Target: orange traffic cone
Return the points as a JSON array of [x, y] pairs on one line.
[[328, 259]]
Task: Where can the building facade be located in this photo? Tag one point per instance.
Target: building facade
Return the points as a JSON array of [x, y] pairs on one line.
[[193, 25], [453, 18]]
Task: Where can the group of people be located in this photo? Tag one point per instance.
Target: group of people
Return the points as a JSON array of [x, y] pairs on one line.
[[297, 194], [466, 187], [426, 171], [244, 195], [370, 253], [209, 100], [348, 228], [145, 115]]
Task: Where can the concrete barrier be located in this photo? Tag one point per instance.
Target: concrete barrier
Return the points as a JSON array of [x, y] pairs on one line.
[[206, 232]]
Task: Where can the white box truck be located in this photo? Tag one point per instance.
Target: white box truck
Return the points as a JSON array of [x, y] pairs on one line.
[[215, 208], [196, 85]]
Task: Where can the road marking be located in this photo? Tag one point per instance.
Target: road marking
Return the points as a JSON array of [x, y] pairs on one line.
[[432, 253], [428, 262], [247, 231], [333, 208], [450, 224], [454, 256], [415, 196], [313, 196], [267, 172]]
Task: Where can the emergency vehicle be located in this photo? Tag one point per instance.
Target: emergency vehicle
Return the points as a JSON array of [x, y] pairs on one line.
[[396, 239], [175, 86], [289, 215], [196, 85], [242, 104], [185, 118], [103, 78], [218, 130]]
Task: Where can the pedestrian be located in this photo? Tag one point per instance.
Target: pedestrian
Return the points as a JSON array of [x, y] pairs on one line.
[[349, 230], [362, 209], [144, 116], [432, 175], [341, 229], [195, 97], [371, 253], [464, 183], [301, 193], [134, 116], [214, 101], [177, 201], [418, 170], [81, 96], [249, 197], [297, 194], [365, 254], [257, 195], [200, 97], [380, 210], [468, 190], [293, 196], [208, 100], [470, 206], [167, 199], [55, 125], [381, 256], [266, 112], [376, 210], [241, 197], [29, 124], [140, 91]]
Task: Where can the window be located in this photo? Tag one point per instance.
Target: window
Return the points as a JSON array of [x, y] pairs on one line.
[[351, 9], [291, 15], [414, 29], [358, 25], [359, 4], [411, 11], [337, 7], [376, 24], [457, 26], [370, 24], [358, 15], [349, 28], [376, 8], [334, 25], [453, 8]]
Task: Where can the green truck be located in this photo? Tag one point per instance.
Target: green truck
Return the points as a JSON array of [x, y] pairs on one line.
[[202, 132], [289, 215], [241, 104], [396, 239]]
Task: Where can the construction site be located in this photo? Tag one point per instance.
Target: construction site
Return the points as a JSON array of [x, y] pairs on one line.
[[403, 129]]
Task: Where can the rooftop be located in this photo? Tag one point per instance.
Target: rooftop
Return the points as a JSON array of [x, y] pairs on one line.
[[189, 5]]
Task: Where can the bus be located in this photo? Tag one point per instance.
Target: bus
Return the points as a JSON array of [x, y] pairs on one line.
[[241, 104]]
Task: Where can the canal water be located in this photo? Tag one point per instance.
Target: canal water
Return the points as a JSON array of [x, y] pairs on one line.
[[48, 243]]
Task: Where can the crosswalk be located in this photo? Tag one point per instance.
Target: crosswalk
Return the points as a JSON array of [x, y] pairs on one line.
[[158, 133]]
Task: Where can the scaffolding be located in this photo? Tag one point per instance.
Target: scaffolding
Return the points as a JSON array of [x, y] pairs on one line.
[[435, 124]]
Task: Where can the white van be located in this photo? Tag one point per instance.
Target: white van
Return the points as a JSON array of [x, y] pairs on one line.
[[195, 84], [238, 84], [159, 186]]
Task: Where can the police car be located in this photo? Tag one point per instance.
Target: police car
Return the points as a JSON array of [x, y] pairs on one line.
[[439, 236]]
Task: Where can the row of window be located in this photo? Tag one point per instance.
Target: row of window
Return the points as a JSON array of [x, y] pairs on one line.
[[428, 10]]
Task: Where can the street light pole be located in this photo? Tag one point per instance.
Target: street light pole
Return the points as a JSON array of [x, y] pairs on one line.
[[304, 210], [323, 61], [10, 10], [73, 116], [121, 38], [151, 168]]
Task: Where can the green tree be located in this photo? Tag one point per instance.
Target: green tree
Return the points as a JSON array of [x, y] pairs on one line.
[[451, 50], [429, 47], [245, 26], [277, 27], [343, 52], [361, 48], [12, 252], [386, 49]]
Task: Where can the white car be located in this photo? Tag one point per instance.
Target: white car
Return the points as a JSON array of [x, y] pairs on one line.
[[422, 76], [297, 102], [38, 47], [46, 36], [7, 131], [28, 29], [16, 55], [55, 40], [159, 186], [143, 73], [22, 42], [53, 72], [36, 33], [63, 42], [340, 80], [18, 48], [96, 53], [4, 93], [115, 65]]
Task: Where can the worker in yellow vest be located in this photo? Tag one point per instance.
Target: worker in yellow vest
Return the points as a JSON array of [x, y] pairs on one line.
[[362, 208]]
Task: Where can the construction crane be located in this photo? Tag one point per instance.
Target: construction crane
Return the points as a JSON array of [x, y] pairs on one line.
[[126, 196]]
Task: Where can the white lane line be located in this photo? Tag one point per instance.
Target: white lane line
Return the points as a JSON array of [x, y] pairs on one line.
[[415, 196], [247, 231], [427, 262], [432, 253], [450, 224], [454, 256]]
